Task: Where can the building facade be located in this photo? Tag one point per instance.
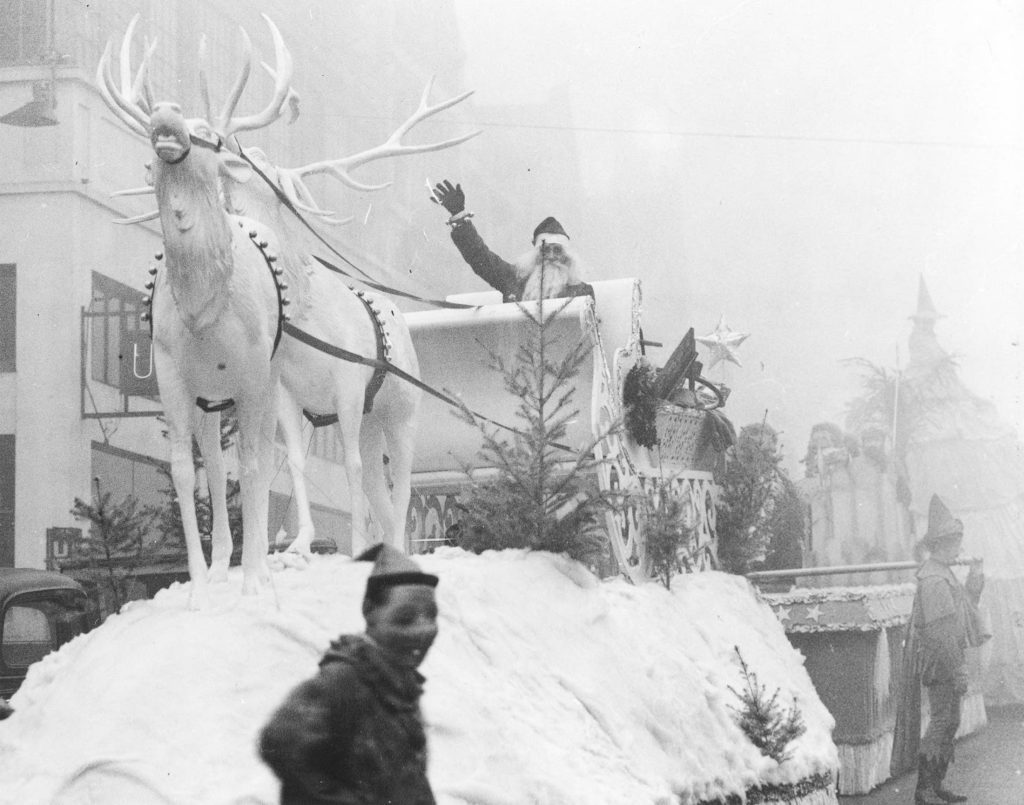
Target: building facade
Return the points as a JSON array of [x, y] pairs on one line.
[[77, 400]]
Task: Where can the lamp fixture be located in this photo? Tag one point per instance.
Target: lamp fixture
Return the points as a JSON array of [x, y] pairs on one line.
[[37, 112]]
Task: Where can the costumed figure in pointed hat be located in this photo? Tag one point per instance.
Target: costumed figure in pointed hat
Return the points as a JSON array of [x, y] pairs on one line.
[[943, 623], [353, 733], [551, 269]]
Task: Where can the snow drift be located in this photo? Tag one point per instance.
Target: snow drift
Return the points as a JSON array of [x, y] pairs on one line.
[[544, 686]]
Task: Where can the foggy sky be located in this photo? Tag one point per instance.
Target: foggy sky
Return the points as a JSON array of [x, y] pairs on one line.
[[794, 166]]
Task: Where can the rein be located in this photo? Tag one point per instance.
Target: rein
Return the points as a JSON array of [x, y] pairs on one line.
[[352, 357], [380, 364], [366, 278]]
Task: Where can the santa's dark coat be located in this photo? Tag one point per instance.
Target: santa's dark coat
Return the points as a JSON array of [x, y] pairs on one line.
[[496, 272], [351, 734]]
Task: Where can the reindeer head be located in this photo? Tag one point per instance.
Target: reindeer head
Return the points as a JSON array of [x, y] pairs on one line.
[[175, 137], [170, 133]]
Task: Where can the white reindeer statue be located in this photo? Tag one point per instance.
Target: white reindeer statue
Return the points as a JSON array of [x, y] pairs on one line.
[[215, 310], [323, 306]]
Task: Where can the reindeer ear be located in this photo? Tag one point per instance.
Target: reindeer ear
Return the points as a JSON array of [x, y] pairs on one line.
[[235, 168]]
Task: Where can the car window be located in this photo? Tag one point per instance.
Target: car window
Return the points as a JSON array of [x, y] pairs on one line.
[[27, 634]]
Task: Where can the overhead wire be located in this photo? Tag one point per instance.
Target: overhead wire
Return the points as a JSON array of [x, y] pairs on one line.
[[712, 134]]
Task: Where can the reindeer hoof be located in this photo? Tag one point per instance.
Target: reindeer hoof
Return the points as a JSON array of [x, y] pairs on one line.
[[218, 572], [198, 598], [251, 586], [300, 547], [283, 559]]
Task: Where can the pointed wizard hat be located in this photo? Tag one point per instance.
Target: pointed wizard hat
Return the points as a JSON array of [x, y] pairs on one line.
[[941, 523], [392, 568]]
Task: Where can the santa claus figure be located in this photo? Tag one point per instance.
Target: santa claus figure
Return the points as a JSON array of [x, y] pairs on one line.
[[550, 269]]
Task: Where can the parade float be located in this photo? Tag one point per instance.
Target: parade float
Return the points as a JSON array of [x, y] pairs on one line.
[[632, 691], [455, 348]]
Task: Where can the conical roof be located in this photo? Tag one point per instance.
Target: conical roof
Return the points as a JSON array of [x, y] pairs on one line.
[[925, 307]]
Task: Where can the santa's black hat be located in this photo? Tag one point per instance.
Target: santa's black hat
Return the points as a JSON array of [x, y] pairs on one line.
[[392, 568], [549, 226], [942, 525]]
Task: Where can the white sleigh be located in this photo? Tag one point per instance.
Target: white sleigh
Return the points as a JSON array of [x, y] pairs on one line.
[[453, 348]]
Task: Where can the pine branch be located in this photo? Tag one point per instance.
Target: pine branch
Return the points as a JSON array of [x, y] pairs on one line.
[[762, 718]]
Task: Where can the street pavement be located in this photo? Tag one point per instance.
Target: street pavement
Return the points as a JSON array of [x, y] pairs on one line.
[[989, 767]]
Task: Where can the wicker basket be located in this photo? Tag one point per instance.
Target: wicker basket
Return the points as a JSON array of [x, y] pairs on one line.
[[679, 431]]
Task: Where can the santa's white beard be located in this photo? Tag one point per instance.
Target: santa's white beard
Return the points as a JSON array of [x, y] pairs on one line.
[[555, 274]]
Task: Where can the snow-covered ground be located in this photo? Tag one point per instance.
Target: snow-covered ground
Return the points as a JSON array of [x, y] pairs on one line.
[[544, 686]]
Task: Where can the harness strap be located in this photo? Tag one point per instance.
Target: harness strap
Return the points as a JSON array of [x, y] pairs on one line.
[[270, 259], [379, 373], [211, 406], [394, 291], [320, 420], [345, 355]]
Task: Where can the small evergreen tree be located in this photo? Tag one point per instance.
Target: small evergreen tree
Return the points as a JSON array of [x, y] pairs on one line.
[[760, 517], [665, 536], [763, 720], [544, 496], [115, 545]]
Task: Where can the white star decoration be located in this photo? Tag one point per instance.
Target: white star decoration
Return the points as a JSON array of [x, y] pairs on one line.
[[814, 613], [723, 343], [782, 613]]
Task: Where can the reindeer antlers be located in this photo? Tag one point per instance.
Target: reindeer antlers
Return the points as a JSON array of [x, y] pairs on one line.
[[132, 102], [291, 179], [127, 102], [225, 124]]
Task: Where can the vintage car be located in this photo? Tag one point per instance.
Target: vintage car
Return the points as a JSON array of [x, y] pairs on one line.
[[39, 611]]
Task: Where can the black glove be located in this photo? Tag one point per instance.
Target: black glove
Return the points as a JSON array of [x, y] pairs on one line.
[[451, 198]]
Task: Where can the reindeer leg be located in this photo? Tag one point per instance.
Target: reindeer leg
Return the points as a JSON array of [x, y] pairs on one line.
[[256, 420], [401, 438], [178, 411], [217, 479], [375, 477], [397, 415], [290, 417], [349, 421]]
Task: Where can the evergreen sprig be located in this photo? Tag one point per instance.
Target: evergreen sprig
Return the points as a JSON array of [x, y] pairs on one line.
[[665, 536], [116, 544], [763, 720]]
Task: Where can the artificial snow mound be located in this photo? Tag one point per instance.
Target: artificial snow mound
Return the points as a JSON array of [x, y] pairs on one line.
[[545, 685]]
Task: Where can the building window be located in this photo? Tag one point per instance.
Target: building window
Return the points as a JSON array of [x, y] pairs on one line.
[[8, 317], [24, 34], [115, 313], [123, 473]]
